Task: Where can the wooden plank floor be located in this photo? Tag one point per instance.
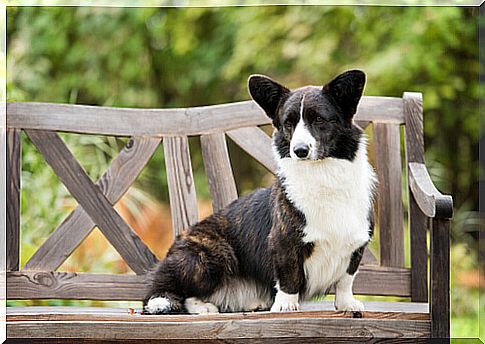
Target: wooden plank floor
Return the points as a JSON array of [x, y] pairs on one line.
[[315, 320]]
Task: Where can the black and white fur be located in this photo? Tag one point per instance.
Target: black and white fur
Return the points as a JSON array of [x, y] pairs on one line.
[[277, 246]]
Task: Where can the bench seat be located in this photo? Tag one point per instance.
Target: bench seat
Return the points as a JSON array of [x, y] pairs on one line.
[[316, 319]]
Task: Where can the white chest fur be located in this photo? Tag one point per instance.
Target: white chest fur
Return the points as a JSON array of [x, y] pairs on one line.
[[335, 196]]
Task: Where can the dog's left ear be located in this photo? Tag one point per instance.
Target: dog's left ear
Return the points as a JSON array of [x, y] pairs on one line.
[[347, 90]]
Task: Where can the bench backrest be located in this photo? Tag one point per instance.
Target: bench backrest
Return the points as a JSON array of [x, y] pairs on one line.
[[38, 278]]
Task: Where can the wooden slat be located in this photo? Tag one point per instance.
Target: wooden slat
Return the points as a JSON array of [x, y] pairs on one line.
[[413, 113], [287, 340], [14, 153], [181, 188], [170, 122], [440, 278], [257, 144], [76, 227], [390, 214], [72, 285], [288, 327], [373, 309], [218, 170], [133, 250], [370, 280], [419, 311], [125, 316], [322, 309], [139, 122], [378, 280]]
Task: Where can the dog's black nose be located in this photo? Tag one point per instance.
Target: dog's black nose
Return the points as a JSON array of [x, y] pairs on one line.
[[301, 151]]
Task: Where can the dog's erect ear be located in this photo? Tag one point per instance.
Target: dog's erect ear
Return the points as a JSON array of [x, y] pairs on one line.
[[347, 89], [267, 93]]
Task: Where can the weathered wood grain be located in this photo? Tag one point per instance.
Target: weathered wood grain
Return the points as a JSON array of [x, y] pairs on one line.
[[370, 280], [257, 144], [440, 278], [218, 170], [139, 122], [181, 188], [390, 211], [126, 317], [215, 317], [287, 340], [380, 280], [326, 310], [393, 309], [413, 115], [77, 225], [374, 307], [414, 139], [261, 328], [14, 165], [431, 202], [419, 251], [133, 250], [72, 285], [169, 122]]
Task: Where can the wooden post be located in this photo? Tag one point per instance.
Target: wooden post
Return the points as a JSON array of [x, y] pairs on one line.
[[218, 170], [13, 198], [440, 278], [413, 113], [388, 159], [181, 188]]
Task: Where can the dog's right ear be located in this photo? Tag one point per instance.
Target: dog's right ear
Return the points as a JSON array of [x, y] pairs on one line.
[[267, 93]]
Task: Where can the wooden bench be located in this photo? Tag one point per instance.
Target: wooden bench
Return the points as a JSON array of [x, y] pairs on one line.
[[423, 316]]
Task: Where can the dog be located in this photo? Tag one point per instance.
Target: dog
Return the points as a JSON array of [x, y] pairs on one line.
[[278, 246]]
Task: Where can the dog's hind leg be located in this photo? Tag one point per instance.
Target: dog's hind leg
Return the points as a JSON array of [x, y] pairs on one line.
[[196, 265], [164, 303], [162, 297]]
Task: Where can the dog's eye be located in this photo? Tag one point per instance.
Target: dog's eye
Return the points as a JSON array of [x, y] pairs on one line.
[[319, 120], [288, 125]]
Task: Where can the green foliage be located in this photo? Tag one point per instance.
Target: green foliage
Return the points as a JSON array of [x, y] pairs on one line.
[[466, 303]]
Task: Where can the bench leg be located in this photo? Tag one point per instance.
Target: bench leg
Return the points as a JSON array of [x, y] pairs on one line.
[[440, 278]]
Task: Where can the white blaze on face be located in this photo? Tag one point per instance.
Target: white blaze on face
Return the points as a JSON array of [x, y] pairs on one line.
[[302, 135]]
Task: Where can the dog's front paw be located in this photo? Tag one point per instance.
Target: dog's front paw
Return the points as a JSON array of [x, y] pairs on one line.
[[285, 302], [349, 304]]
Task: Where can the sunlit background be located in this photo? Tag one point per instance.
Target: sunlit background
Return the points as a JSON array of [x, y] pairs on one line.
[[152, 57]]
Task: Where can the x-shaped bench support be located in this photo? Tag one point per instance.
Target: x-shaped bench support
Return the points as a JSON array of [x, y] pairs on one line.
[[95, 203]]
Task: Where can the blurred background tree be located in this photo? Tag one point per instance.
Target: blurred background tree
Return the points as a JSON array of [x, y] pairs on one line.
[[179, 57]]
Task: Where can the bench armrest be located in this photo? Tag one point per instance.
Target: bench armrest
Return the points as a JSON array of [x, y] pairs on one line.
[[431, 202]]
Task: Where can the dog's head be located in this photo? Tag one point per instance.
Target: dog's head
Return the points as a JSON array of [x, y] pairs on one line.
[[312, 122]]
